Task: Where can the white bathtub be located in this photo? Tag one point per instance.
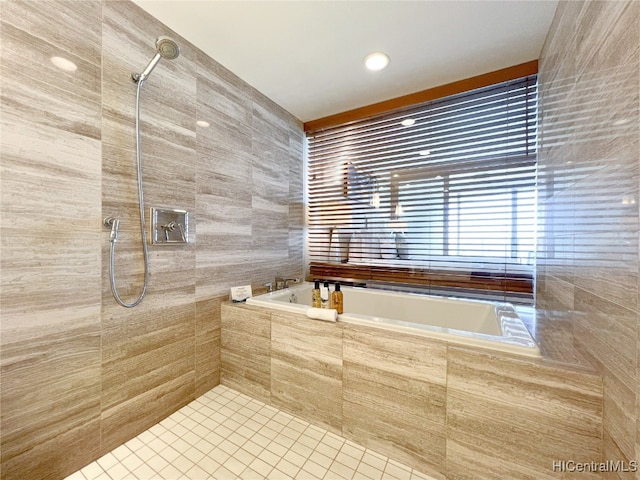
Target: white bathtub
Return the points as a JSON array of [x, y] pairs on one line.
[[494, 326]]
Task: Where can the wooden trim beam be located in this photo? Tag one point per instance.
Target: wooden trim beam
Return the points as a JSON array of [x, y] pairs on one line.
[[510, 283], [480, 81]]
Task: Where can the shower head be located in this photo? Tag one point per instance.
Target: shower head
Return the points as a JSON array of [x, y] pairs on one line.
[[167, 48]]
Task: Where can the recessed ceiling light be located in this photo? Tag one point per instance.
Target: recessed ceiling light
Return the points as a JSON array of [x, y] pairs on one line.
[[425, 153], [407, 122], [376, 61], [202, 123], [64, 64]]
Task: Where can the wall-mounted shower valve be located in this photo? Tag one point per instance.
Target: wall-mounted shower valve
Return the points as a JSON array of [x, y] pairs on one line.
[[169, 226]]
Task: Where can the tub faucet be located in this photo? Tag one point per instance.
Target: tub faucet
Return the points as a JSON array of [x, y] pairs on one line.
[[281, 282]]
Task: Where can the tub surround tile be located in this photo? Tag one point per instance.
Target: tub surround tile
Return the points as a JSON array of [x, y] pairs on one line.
[[554, 333], [306, 359], [449, 412], [246, 351], [395, 395], [611, 452], [592, 53], [518, 417], [619, 419], [608, 331]]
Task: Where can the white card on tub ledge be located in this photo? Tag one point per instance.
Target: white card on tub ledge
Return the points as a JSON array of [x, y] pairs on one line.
[[241, 293]]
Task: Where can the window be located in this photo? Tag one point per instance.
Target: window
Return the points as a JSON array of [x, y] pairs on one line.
[[439, 196]]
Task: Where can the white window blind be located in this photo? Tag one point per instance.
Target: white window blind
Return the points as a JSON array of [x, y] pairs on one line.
[[439, 196]]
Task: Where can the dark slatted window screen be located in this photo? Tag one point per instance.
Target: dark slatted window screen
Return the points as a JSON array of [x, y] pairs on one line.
[[439, 196]]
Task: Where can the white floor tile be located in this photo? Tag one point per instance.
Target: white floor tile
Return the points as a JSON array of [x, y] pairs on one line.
[[260, 466], [341, 470], [107, 461], [92, 470], [144, 471], [312, 467], [234, 465], [278, 449], [287, 467], [347, 460], [269, 457], [227, 435], [369, 471], [253, 448], [321, 459], [76, 476]]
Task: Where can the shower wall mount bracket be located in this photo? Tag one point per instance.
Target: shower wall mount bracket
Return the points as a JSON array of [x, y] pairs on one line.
[[169, 226]]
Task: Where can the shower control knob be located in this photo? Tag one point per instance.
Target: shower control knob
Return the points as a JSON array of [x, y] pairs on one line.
[[171, 226]]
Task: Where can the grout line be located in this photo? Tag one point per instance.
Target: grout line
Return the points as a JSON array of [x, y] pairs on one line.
[[229, 433]]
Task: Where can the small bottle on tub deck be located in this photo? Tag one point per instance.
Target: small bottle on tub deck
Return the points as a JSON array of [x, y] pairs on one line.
[[337, 300], [325, 296], [315, 295]]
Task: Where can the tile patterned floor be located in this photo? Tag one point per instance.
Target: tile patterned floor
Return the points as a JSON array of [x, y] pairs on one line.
[[227, 435]]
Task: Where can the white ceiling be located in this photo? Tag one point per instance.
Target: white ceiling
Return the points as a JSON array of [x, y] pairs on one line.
[[307, 55]]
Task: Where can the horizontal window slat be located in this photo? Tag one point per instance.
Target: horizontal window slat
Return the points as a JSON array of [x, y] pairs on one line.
[[448, 202]]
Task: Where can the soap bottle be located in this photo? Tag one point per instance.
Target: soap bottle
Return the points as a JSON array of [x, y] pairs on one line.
[[325, 299], [336, 299], [315, 295]]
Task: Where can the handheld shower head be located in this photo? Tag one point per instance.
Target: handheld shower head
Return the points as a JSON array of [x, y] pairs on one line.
[[167, 48]]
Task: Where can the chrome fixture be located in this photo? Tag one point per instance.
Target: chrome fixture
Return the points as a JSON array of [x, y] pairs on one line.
[[169, 226], [165, 48], [282, 283], [287, 280]]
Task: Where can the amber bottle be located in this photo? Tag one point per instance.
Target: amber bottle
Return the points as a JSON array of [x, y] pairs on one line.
[[315, 295], [336, 299]]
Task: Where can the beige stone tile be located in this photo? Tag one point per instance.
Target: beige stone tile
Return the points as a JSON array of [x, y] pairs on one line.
[[222, 91], [246, 351], [517, 416], [148, 351], [126, 420], [619, 414], [607, 331], [554, 332], [306, 369], [208, 325], [68, 153], [592, 53], [56, 364], [611, 452], [394, 396]]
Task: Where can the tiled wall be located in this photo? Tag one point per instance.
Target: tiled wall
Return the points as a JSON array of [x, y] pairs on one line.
[[451, 413], [80, 374], [588, 266]]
